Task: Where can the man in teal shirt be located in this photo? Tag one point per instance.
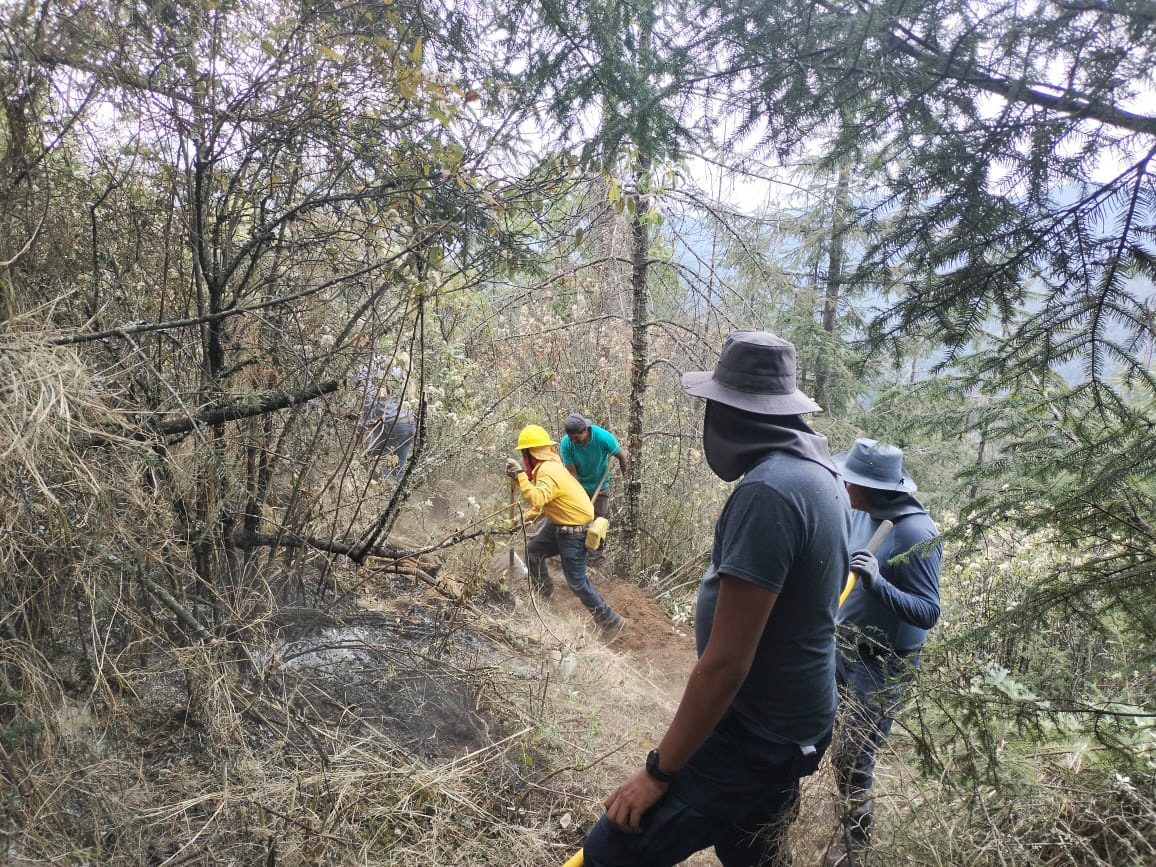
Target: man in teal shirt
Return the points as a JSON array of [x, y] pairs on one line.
[[586, 451]]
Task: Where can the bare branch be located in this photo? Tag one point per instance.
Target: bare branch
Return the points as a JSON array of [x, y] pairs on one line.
[[260, 404]]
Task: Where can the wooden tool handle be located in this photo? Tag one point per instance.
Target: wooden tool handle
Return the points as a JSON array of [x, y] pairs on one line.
[[881, 533], [513, 520]]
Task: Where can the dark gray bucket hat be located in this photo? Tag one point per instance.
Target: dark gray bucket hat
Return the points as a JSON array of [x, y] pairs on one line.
[[873, 464], [755, 372]]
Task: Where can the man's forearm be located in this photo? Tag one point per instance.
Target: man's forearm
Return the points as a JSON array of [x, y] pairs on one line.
[[536, 496]]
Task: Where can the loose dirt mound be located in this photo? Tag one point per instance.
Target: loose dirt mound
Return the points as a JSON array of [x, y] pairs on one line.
[[649, 636]]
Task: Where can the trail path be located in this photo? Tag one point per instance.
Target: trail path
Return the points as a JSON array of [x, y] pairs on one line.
[[662, 654], [661, 651]]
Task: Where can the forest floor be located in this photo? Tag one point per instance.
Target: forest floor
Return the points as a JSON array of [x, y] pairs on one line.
[[655, 649], [375, 716]]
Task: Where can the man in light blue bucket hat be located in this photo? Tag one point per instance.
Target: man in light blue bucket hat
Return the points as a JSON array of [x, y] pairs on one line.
[[882, 625]]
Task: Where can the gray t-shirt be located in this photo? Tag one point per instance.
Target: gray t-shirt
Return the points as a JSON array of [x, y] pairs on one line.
[[784, 528]]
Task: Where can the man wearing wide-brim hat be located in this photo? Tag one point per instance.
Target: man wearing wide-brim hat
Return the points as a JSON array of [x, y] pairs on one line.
[[881, 626], [758, 709]]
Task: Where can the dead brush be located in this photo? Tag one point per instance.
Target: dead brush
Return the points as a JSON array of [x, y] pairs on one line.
[[73, 532], [1044, 811], [66, 793], [74, 517], [27, 691]]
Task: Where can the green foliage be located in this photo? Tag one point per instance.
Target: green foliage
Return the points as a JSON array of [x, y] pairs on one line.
[[612, 74], [991, 125], [1026, 724]]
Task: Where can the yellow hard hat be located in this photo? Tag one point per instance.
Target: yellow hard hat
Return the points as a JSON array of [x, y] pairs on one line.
[[534, 435]]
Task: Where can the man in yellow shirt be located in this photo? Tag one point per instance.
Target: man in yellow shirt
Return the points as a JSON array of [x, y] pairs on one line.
[[551, 491]]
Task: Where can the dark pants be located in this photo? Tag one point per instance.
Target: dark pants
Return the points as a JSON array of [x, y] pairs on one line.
[[601, 504], [548, 541], [871, 687], [389, 444], [726, 797]]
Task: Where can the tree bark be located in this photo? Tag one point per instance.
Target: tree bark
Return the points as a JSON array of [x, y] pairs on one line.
[[629, 552], [835, 250]]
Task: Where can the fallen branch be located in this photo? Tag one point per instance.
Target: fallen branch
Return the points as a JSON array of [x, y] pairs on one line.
[[257, 404], [285, 539], [182, 614]]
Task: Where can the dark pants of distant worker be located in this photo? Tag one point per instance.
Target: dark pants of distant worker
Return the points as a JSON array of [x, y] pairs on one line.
[[569, 545], [872, 684], [388, 445], [602, 504], [726, 797]]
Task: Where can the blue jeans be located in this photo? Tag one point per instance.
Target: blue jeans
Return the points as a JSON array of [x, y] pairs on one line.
[[871, 687], [727, 796], [571, 547]]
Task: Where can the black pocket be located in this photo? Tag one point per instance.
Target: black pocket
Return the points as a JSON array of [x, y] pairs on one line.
[[805, 765]]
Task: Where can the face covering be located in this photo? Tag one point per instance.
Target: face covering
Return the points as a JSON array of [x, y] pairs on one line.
[[891, 505], [734, 440], [533, 458]]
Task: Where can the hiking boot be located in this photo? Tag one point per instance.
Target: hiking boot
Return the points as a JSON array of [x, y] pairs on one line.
[[838, 855], [612, 628]]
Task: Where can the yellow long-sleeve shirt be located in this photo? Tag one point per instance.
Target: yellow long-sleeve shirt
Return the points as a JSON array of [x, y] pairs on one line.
[[556, 494]]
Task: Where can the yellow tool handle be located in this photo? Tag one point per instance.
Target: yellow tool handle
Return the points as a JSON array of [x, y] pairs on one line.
[[881, 533], [576, 860], [513, 521]]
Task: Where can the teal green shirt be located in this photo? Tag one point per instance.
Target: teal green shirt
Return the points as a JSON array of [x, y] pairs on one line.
[[591, 459]]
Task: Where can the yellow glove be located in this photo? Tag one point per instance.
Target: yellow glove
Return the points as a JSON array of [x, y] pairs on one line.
[[513, 467], [596, 533]]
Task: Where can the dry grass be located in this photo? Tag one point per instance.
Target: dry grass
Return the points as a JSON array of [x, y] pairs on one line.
[[128, 737], [55, 516], [278, 782]]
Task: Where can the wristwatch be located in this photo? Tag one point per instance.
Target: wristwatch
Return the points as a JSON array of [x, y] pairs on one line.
[[655, 771]]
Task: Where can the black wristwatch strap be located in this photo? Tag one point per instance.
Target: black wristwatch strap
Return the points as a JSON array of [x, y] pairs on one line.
[[655, 771]]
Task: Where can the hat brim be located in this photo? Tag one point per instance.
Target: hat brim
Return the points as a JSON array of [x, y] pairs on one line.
[[905, 484], [700, 383]]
